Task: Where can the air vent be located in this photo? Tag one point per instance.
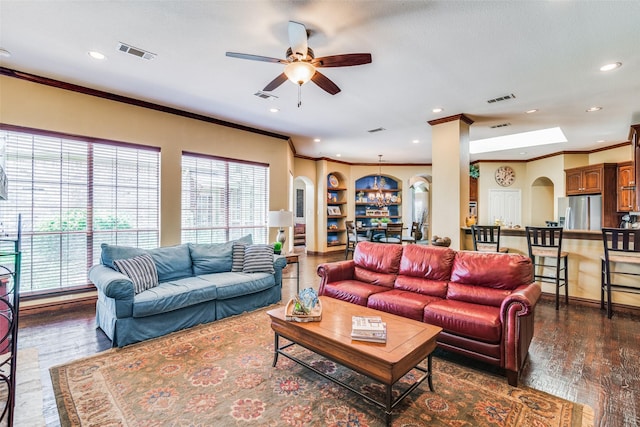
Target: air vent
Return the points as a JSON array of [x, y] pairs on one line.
[[264, 95], [501, 98], [376, 130], [122, 47], [501, 125]]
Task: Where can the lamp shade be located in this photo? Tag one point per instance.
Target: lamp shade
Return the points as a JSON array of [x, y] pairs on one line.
[[299, 72], [280, 218]]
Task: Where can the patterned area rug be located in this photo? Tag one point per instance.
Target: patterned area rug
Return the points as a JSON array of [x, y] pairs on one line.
[[220, 374]]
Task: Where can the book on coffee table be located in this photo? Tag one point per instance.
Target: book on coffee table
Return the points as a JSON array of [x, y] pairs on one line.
[[368, 328]]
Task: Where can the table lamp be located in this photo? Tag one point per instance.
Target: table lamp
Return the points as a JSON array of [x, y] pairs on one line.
[[281, 219]]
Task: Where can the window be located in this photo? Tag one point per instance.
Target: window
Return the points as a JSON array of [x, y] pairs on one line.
[[223, 199], [75, 194]]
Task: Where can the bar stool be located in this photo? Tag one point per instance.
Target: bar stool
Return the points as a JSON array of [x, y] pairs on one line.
[[546, 242], [621, 247], [486, 238]]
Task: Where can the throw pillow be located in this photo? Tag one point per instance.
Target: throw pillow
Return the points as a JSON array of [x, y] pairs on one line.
[[258, 259], [141, 270], [238, 256]]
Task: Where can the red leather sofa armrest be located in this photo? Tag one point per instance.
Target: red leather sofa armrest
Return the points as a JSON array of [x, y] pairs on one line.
[[517, 317], [520, 302], [334, 272]]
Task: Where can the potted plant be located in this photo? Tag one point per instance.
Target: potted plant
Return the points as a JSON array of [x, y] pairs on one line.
[[277, 248]]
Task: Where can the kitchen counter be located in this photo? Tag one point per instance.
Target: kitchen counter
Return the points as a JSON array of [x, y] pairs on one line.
[[585, 250]]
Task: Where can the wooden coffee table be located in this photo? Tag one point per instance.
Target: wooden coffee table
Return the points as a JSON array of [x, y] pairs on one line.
[[408, 343]]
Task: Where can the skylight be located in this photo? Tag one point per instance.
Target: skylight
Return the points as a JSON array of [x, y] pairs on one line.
[[518, 140]]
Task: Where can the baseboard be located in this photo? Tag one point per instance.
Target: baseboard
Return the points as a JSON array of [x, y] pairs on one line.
[[617, 307], [57, 303]]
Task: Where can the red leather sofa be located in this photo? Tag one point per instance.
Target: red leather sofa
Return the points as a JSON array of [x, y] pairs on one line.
[[484, 302]]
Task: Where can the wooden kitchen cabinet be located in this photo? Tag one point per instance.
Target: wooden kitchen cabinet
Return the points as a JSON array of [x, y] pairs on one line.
[[596, 179], [626, 187], [592, 179]]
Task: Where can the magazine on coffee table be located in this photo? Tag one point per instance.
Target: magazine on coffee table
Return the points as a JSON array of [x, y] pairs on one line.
[[368, 328]]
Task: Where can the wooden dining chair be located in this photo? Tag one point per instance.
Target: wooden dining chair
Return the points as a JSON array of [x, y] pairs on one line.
[[412, 237], [486, 238], [621, 259], [393, 233], [548, 258], [353, 238]]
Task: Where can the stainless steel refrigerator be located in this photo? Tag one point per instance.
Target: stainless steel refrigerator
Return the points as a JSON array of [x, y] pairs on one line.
[[581, 212]]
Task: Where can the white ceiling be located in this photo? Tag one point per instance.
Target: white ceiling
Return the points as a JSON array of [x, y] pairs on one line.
[[450, 54]]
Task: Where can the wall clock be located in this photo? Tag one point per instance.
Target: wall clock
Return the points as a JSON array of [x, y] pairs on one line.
[[505, 176]]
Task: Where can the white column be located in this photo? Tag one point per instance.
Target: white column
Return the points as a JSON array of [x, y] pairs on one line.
[[450, 179]]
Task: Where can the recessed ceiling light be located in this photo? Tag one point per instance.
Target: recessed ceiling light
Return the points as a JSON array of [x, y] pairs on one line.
[[438, 110], [96, 55], [609, 67], [316, 140], [531, 111], [600, 141], [274, 109], [592, 109], [518, 140], [522, 153], [5, 53], [338, 155], [416, 141]]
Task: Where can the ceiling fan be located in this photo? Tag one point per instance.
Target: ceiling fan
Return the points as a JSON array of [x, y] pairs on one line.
[[301, 64]]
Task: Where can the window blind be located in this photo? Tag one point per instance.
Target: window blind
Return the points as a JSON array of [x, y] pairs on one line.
[[73, 195], [223, 199]]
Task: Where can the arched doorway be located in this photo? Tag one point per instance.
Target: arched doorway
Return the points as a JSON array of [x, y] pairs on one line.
[[421, 203], [303, 218], [541, 202]]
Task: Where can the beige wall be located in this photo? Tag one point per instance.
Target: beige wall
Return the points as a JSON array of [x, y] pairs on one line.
[[42, 107]]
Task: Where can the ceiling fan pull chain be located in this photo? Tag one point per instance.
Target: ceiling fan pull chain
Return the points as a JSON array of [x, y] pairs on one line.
[[299, 95]]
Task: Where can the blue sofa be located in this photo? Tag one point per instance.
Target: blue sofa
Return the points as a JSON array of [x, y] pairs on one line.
[[196, 285]]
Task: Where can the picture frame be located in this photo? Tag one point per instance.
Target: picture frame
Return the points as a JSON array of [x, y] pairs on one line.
[[333, 210]]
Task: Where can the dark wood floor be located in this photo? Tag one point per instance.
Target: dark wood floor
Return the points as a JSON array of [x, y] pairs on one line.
[[577, 353]]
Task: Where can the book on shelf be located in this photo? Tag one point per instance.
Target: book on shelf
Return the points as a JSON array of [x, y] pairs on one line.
[[368, 328]]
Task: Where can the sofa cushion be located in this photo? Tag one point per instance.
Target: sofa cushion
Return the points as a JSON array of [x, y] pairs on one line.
[[427, 261], [492, 270], [475, 321], [112, 252], [477, 294], [378, 257], [258, 259], [141, 270], [214, 257], [403, 303], [435, 288], [173, 295], [353, 291], [231, 284], [377, 263], [173, 262]]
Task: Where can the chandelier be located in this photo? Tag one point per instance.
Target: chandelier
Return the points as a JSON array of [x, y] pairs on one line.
[[380, 198]]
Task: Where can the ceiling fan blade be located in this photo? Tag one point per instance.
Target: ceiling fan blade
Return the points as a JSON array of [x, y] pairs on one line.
[[324, 83], [298, 39], [345, 60], [256, 57], [275, 83]]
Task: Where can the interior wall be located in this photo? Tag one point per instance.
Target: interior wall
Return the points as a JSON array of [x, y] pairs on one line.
[[33, 105], [542, 202]]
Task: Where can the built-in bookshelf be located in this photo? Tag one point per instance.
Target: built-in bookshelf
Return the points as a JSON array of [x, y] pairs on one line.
[[336, 210], [377, 198]]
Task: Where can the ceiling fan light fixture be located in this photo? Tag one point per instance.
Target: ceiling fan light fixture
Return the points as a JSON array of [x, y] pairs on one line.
[[299, 72]]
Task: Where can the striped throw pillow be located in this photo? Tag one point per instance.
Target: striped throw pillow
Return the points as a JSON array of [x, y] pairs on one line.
[[141, 270], [258, 259], [238, 256]]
